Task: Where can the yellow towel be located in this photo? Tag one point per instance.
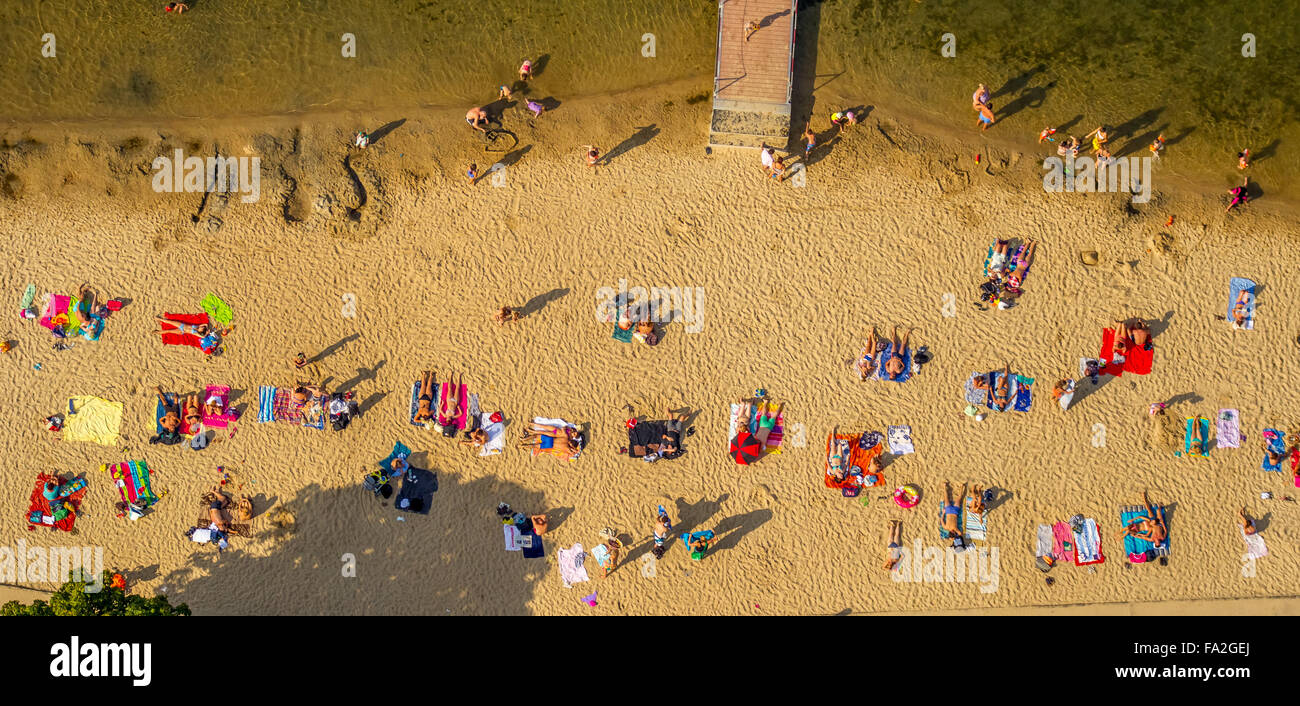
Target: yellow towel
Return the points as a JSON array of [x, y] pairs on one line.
[[97, 420]]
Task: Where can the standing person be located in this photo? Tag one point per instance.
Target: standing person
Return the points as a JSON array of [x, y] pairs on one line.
[[663, 525], [1099, 138], [472, 173], [751, 28], [361, 140], [1240, 194], [506, 314], [778, 169], [986, 117], [894, 552], [1243, 159], [810, 140], [593, 155], [526, 70], [767, 156], [842, 119], [1046, 134], [1157, 146], [980, 98]]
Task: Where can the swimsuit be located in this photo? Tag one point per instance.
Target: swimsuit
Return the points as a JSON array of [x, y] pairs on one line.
[[767, 423]]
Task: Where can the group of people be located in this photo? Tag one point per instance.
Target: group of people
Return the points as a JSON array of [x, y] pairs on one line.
[[894, 366]]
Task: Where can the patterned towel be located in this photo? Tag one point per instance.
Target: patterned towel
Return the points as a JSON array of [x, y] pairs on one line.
[[1087, 544], [900, 440], [977, 525], [572, 569], [1228, 429], [773, 439], [132, 481], [1277, 444], [1129, 514], [277, 404], [217, 421], [1236, 286], [974, 396]]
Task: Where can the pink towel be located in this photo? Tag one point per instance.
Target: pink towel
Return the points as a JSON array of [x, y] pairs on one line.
[[55, 305], [1062, 533], [462, 410], [219, 421]]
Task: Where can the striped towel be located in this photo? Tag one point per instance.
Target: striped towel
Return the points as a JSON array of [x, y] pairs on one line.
[[276, 404], [1088, 544], [977, 525], [132, 481], [773, 439], [1255, 547], [1129, 514]]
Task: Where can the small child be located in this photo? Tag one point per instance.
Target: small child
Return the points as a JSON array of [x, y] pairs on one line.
[[1046, 134], [504, 93], [472, 173], [536, 107], [810, 140], [361, 140], [1157, 146], [1243, 159], [506, 314], [1063, 392]]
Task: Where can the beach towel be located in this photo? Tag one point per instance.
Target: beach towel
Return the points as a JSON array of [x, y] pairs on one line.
[[400, 450], [218, 310], [1204, 434], [132, 481], [976, 525], [774, 438], [572, 569], [531, 543], [1129, 514], [884, 357], [1063, 542], [1013, 258], [1024, 399], [1043, 541], [173, 336], [1228, 429], [974, 396], [418, 487], [55, 315], [276, 404], [29, 295], [859, 458], [1107, 342], [461, 412], [38, 509], [624, 335], [217, 421], [1087, 544], [1236, 286], [706, 535], [496, 433], [93, 419], [1255, 547], [512, 537], [186, 428], [600, 553], [900, 440], [415, 404], [1277, 444], [548, 443]]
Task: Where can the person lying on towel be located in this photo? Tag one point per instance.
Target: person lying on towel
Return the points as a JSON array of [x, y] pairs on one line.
[[567, 439], [171, 419], [1151, 528], [999, 398], [1130, 333]]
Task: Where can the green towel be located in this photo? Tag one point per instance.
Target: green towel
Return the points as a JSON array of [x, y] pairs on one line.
[[218, 310], [623, 335], [28, 296]]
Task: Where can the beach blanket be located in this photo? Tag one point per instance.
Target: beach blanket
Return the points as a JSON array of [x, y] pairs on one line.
[[38, 509], [858, 458], [93, 419], [55, 314], [884, 357], [1228, 429], [512, 537], [1204, 434], [1013, 258], [1063, 542], [187, 429], [1236, 286], [900, 440], [976, 525], [974, 396], [217, 421], [1107, 344], [132, 481], [496, 433], [1022, 396], [1129, 514], [418, 487], [706, 535], [1043, 541], [624, 335], [1255, 547], [1087, 544], [1276, 443], [531, 542], [415, 405], [773, 439], [548, 443], [218, 310], [276, 404], [1137, 360], [572, 569]]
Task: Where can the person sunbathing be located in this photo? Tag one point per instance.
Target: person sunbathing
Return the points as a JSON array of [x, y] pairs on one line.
[[567, 439], [193, 415], [475, 439], [766, 420], [1131, 333], [306, 392], [213, 407], [975, 501], [866, 363], [999, 397], [1274, 458], [894, 552], [216, 502], [951, 520], [171, 419], [84, 305], [894, 366], [449, 408], [1000, 258], [1240, 309], [1015, 279], [838, 468], [1151, 528], [193, 329], [699, 546], [1246, 522], [670, 445], [1198, 442], [424, 408], [645, 328]]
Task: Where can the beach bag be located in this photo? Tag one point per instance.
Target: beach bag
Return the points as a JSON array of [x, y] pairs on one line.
[[850, 491], [1137, 558], [1043, 564], [200, 441]]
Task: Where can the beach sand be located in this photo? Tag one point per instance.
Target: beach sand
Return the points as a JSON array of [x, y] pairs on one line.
[[892, 227]]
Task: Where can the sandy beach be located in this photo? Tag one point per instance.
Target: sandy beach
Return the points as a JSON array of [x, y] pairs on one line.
[[891, 228]]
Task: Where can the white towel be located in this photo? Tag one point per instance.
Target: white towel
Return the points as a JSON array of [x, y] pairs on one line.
[[1255, 547], [1087, 544], [572, 569], [546, 421], [900, 440], [495, 431], [512, 537], [1044, 541]]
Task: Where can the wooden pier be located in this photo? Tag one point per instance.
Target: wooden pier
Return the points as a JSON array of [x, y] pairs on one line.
[[753, 78]]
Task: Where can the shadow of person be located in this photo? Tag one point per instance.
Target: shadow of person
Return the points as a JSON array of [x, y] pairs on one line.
[[1267, 151], [539, 66], [512, 157], [362, 375], [537, 303], [642, 135], [1016, 83], [382, 132], [692, 515], [731, 530], [1032, 97], [333, 348], [370, 402]]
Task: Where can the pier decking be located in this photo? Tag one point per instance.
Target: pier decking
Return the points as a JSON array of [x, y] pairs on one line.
[[752, 80]]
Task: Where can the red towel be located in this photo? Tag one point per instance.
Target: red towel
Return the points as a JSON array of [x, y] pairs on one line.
[[1140, 361], [40, 503], [174, 338], [1108, 340]]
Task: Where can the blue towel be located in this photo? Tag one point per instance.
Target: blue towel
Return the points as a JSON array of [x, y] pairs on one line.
[[160, 410], [265, 403], [1024, 398], [1137, 545], [707, 535], [537, 550], [415, 403], [884, 357], [1235, 286], [399, 449], [1277, 445]]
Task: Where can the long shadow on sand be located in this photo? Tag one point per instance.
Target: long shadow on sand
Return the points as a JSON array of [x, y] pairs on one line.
[[450, 561], [643, 134]]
